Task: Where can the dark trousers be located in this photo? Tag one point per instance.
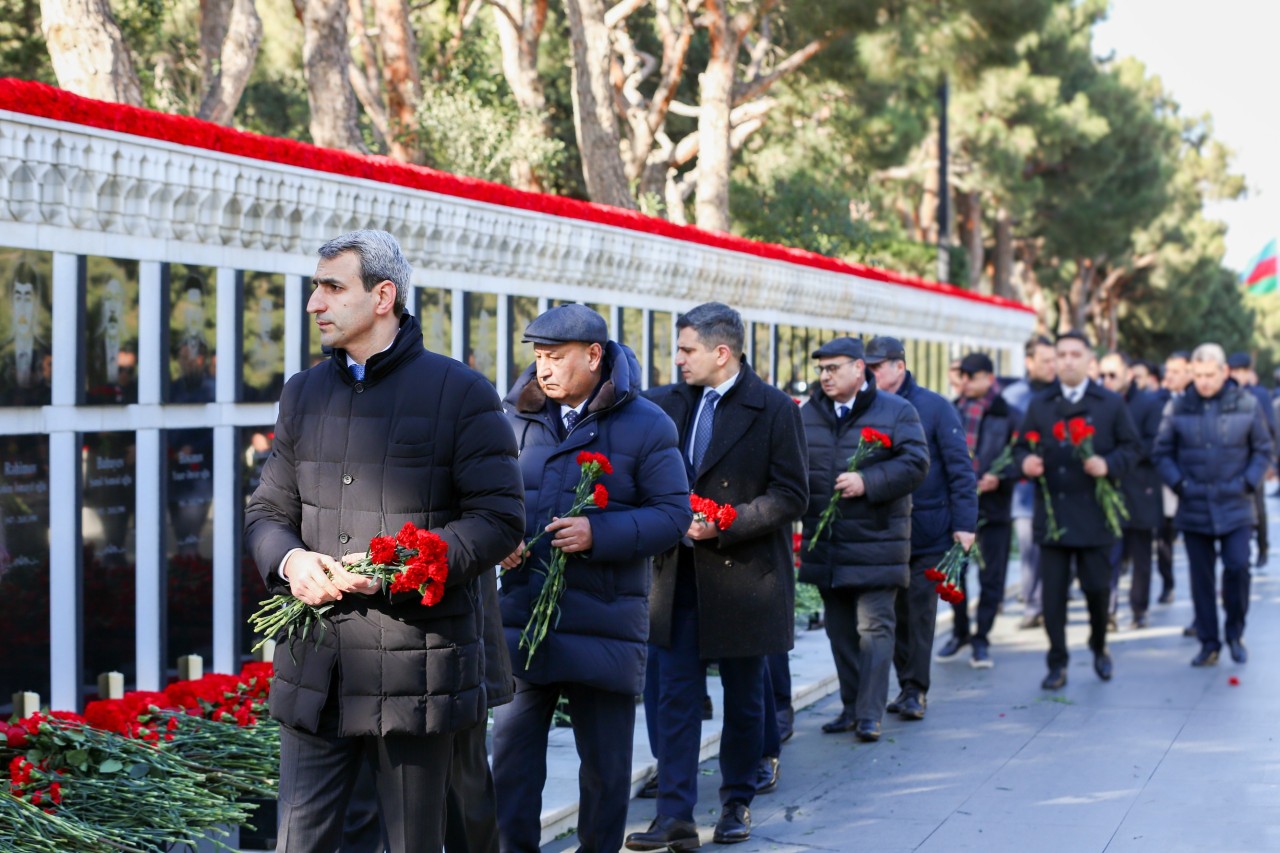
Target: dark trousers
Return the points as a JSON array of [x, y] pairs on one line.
[[1133, 548], [471, 808], [777, 700], [1260, 502], [1166, 535], [674, 691], [915, 616], [1202, 554], [319, 772], [604, 725], [1093, 568], [860, 626], [994, 542]]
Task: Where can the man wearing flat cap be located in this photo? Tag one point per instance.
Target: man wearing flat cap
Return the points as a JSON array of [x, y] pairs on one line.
[[944, 510], [860, 561], [582, 394], [989, 422]]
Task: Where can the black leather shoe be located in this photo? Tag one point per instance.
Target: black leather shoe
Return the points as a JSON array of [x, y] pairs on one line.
[[1139, 622], [868, 730], [767, 775], [786, 723], [913, 707], [1056, 679], [665, 833], [842, 723], [650, 790], [1166, 597], [1102, 665], [1190, 630], [895, 707], [1239, 653], [1206, 657], [734, 824]]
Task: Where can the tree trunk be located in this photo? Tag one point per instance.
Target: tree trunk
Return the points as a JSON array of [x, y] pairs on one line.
[[88, 51], [969, 220], [927, 220], [1003, 284], [519, 34], [240, 32], [326, 61], [400, 76], [715, 102], [595, 121]]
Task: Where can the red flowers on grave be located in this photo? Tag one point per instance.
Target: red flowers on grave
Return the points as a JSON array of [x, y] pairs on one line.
[[869, 442], [948, 573], [1080, 432], [708, 511], [414, 561], [546, 607]]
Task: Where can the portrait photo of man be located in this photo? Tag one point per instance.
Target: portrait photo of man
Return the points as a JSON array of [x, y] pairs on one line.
[[25, 354]]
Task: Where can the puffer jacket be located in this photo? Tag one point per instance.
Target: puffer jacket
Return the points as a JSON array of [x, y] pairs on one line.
[[600, 638], [1214, 453], [422, 439], [947, 500], [868, 545]]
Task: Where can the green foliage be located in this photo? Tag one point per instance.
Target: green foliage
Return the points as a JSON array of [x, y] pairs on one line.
[[22, 52]]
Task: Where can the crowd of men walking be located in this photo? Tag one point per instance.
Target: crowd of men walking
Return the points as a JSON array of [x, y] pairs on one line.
[[383, 715]]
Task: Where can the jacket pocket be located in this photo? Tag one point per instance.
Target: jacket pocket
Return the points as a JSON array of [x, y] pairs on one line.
[[410, 450]]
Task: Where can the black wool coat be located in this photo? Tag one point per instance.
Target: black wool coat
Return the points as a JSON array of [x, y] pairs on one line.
[[1075, 506], [422, 438], [745, 576], [1143, 494], [868, 545]]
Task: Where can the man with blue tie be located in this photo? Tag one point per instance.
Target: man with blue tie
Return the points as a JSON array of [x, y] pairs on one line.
[[725, 595]]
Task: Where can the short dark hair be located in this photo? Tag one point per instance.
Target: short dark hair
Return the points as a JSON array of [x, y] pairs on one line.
[[1185, 355], [716, 324], [1036, 341], [1124, 358], [1075, 335], [380, 260]]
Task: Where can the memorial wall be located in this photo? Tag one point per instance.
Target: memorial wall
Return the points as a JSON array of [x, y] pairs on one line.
[[152, 304]]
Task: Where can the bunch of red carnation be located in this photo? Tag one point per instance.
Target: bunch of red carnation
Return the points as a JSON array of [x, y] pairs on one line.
[[1081, 433], [34, 783], [710, 512], [948, 573], [419, 559], [869, 441]]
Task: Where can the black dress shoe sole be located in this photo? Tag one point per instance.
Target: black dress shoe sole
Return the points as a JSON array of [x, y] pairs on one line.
[[836, 729], [912, 714], [1207, 660], [728, 839], [683, 843]]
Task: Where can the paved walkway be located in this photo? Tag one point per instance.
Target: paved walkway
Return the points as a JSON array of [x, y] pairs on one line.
[[1162, 758]]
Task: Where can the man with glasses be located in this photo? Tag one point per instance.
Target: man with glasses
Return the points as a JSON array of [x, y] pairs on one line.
[[944, 510], [1142, 493], [859, 562]]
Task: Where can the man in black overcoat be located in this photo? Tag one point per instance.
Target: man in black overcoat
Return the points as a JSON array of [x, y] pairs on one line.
[[1143, 494], [1085, 539], [725, 595]]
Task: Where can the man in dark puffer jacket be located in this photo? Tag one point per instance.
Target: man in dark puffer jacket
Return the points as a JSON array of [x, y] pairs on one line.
[[860, 562], [381, 434], [1213, 449], [583, 394], [944, 510]]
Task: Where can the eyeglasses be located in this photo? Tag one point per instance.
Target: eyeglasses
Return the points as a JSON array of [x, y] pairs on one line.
[[831, 368]]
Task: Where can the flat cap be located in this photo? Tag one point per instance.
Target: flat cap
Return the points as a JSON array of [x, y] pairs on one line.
[[977, 362], [565, 324], [1238, 360], [850, 347], [885, 348]]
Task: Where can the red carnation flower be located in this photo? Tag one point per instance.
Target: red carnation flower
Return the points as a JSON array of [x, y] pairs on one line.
[[600, 496], [382, 550], [1060, 431], [874, 436], [408, 535], [934, 576], [1032, 437], [432, 595], [1077, 429], [1234, 681], [726, 516]]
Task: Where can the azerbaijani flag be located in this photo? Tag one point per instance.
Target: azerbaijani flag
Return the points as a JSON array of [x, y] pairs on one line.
[[1260, 274]]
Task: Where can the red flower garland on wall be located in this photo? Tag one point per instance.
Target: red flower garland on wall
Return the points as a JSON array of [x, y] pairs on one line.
[[38, 99]]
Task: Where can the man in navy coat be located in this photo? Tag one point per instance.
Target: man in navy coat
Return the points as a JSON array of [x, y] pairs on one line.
[[725, 595], [582, 393]]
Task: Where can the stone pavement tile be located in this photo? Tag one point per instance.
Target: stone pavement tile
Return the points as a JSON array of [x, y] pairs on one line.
[[964, 832], [1215, 833]]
